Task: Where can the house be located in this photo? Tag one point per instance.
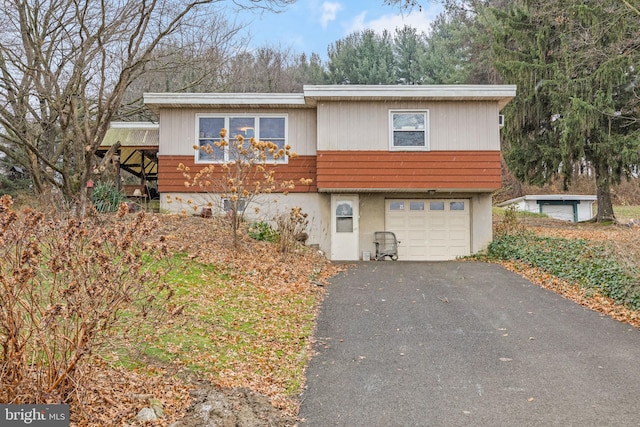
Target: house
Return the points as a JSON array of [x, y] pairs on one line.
[[420, 161], [566, 207]]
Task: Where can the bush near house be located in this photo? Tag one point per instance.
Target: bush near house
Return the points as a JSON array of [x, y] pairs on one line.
[[69, 288]]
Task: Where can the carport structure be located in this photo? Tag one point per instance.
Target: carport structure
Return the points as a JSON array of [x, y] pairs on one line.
[[134, 146]]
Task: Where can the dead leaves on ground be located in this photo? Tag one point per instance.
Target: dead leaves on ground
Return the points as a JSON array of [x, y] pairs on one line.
[[245, 319], [254, 313]]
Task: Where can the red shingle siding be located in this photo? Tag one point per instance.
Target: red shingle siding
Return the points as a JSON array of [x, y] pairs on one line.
[[409, 170], [171, 180]]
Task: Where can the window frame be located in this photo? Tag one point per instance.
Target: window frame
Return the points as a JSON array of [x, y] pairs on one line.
[[227, 117], [392, 130]]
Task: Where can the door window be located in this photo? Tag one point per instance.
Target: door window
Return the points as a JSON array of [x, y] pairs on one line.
[[344, 216]]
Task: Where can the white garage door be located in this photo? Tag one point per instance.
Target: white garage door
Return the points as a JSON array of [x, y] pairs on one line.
[[429, 229]]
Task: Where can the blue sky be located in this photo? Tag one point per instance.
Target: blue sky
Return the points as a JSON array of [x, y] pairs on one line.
[[311, 25]]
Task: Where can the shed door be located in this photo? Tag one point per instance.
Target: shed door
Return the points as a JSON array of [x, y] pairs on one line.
[[564, 212], [430, 229]]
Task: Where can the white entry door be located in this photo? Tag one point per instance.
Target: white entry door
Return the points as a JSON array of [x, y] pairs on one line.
[[344, 227]]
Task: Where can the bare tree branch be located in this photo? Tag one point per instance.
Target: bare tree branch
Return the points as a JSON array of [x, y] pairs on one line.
[[65, 66]]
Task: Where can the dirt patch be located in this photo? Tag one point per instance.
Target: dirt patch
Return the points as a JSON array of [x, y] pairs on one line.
[[239, 407]]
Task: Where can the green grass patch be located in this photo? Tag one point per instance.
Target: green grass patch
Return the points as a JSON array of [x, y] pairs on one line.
[[626, 213], [232, 328], [592, 266], [500, 212]]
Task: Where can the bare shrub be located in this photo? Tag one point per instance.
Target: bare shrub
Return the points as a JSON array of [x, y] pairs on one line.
[[291, 229], [235, 184], [510, 223], [67, 288]]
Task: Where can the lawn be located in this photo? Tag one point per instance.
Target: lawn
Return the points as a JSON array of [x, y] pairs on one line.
[[235, 331], [624, 214]]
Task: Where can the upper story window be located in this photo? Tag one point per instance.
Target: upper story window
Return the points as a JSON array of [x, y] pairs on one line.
[[409, 130], [262, 128]]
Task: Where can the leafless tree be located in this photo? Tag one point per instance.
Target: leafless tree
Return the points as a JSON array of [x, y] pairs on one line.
[[65, 66], [194, 60], [272, 70]]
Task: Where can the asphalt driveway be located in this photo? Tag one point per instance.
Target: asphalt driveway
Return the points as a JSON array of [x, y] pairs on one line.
[[463, 343]]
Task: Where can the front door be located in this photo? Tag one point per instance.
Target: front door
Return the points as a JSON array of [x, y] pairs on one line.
[[344, 227]]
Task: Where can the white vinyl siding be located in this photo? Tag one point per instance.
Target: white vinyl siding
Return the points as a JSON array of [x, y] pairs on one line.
[[360, 125]]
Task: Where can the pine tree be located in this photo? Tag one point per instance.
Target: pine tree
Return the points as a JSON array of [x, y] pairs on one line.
[[409, 49], [575, 65], [362, 58]]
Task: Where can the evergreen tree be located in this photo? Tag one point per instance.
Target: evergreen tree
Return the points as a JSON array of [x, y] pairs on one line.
[[409, 49], [309, 71], [447, 56], [362, 58], [575, 65]]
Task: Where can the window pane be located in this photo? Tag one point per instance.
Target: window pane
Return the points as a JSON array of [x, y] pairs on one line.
[[408, 121], [396, 206], [416, 206], [240, 126], [344, 208], [409, 139], [271, 128], [209, 152], [436, 206], [208, 135], [210, 127], [228, 204], [456, 206], [344, 216], [244, 126], [344, 225]]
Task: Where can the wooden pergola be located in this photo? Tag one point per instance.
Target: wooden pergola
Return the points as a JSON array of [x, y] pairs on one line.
[[135, 151]]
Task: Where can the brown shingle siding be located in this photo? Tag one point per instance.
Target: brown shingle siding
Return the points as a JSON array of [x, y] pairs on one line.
[[171, 179], [404, 170]]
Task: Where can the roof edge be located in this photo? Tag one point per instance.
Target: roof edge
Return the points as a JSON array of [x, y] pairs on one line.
[[549, 197], [205, 99]]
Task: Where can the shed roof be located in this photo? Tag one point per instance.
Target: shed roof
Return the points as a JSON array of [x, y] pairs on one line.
[[551, 197], [138, 151], [132, 134]]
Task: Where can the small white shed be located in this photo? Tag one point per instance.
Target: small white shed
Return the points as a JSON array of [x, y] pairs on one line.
[[560, 206]]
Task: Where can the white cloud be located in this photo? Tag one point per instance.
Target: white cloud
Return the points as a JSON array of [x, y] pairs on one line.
[[416, 19], [329, 12]]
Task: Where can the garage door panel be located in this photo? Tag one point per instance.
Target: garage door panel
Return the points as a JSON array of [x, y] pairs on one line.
[[417, 222], [439, 232], [457, 236]]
